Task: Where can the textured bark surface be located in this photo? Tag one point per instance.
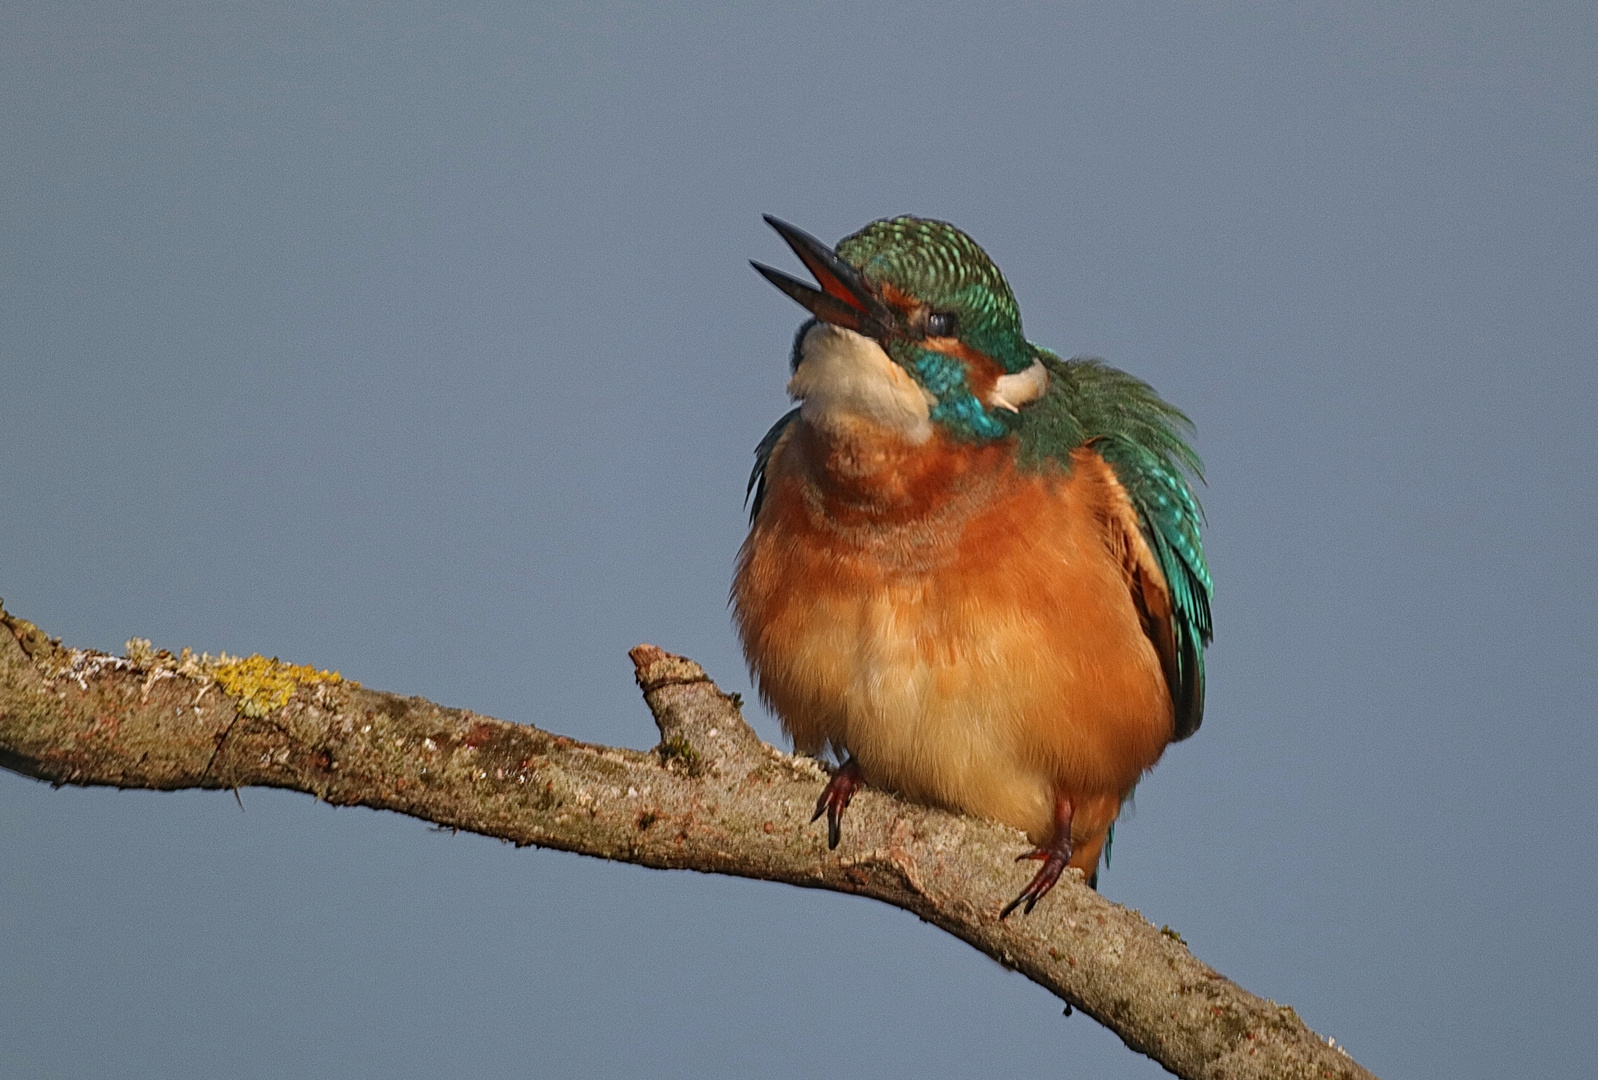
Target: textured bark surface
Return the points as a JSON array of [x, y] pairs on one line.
[[710, 797]]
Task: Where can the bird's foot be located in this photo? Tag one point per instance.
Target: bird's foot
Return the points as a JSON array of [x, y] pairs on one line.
[[835, 799], [1054, 857], [1053, 866]]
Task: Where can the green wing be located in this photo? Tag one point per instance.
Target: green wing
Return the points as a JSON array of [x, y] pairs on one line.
[[755, 493], [1141, 437]]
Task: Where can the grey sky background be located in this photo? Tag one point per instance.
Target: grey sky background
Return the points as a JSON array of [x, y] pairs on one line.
[[418, 341]]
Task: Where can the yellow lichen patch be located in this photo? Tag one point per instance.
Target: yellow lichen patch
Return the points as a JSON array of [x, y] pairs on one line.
[[141, 652], [263, 686]]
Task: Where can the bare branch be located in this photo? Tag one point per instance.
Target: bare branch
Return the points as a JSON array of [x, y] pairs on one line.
[[710, 797]]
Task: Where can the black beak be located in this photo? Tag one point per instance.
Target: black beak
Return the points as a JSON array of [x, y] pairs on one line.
[[845, 298]]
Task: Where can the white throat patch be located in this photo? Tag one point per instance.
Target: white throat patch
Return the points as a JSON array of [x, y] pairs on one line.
[[845, 377]]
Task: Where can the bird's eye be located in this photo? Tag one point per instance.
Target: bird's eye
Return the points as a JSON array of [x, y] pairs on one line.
[[941, 324]]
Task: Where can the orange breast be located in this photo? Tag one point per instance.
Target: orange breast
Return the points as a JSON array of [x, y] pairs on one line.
[[965, 630]]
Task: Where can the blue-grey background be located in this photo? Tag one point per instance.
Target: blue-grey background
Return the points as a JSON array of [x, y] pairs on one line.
[[416, 340]]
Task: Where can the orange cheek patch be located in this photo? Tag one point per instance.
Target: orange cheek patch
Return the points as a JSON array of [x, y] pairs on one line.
[[897, 299]]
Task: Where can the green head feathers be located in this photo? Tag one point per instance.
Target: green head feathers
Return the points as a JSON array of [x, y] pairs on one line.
[[936, 263]]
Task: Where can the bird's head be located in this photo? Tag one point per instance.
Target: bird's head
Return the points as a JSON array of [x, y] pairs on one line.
[[935, 304]]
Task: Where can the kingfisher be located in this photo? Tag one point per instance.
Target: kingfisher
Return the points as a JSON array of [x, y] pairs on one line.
[[974, 571]]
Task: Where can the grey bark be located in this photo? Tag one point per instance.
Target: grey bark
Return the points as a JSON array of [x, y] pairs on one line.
[[710, 797]]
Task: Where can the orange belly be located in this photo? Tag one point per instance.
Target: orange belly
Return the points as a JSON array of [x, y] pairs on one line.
[[965, 630]]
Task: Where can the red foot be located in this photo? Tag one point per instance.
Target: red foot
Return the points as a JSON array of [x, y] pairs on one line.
[[1054, 859], [835, 799]]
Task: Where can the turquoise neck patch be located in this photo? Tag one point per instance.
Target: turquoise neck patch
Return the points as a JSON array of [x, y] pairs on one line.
[[958, 409]]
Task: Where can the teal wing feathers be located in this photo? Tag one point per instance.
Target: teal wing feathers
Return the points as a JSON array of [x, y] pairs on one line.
[[1141, 438], [755, 493]]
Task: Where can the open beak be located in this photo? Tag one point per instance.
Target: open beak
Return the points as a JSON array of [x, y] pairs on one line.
[[845, 298]]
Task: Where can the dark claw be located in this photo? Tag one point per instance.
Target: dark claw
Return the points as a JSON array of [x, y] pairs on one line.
[[1041, 883], [1054, 859], [835, 800]]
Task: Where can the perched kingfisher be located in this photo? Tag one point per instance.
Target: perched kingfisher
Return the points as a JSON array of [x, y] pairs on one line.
[[973, 570]]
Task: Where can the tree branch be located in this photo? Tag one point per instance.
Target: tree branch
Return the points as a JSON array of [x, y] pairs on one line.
[[710, 797]]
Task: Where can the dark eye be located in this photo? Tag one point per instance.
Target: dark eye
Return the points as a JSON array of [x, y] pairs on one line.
[[941, 324]]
